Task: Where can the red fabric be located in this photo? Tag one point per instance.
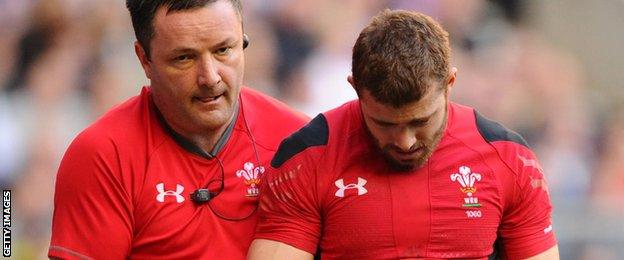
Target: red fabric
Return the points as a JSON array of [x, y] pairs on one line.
[[107, 204], [420, 214]]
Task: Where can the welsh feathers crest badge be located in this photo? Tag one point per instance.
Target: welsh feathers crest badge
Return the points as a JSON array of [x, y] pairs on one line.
[[251, 176], [467, 180]]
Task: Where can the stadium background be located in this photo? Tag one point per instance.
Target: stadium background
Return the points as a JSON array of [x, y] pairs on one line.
[[552, 70]]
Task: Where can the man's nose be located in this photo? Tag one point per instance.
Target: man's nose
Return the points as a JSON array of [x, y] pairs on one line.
[[208, 74], [405, 139]]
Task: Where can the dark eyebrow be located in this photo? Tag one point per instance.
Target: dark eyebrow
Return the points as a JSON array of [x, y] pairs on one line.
[[226, 42], [182, 50], [381, 122], [420, 121]]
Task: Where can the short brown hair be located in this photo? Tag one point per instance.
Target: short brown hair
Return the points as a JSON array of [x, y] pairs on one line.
[[399, 55], [142, 13]]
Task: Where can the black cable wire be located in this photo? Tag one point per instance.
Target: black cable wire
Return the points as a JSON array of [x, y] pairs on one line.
[[222, 187]]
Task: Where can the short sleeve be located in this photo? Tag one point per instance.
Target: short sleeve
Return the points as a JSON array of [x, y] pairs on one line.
[[92, 211], [289, 206], [290, 210], [526, 228]]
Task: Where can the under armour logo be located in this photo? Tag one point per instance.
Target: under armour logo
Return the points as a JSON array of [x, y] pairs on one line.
[[162, 193], [359, 186]]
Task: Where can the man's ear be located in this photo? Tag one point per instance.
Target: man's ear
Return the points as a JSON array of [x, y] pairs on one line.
[[451, 78], [350, 80], [145, 61], [450, 81]]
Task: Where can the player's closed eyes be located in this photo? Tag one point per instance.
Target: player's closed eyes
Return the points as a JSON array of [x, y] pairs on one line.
[[419, 123]]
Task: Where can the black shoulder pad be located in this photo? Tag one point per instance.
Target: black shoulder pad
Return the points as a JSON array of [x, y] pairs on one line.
[[493, 131], [314, 133]]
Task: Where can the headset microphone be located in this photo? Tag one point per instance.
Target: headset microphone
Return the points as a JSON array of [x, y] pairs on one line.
[[201, 196]]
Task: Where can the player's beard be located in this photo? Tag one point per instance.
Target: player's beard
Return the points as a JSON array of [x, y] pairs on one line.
[[428, 146]]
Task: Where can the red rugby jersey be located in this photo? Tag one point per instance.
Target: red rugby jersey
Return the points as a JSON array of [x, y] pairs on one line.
[[122, 190], [330, 189]]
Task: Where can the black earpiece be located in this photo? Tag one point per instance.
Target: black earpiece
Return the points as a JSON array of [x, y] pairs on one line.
[[245, 41]]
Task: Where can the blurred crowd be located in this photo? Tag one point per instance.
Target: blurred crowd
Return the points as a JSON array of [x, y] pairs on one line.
[[65, 62]]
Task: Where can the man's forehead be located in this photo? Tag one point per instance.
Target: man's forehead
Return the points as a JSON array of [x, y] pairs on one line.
[[168, 9], [420, 108], [210, 12], [205, 22]]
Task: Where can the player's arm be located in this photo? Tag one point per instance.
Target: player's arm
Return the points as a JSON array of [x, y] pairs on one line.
[[550, 254], [289, 221], [92, 212], [526, 229], [289, 214], [263, 249]]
